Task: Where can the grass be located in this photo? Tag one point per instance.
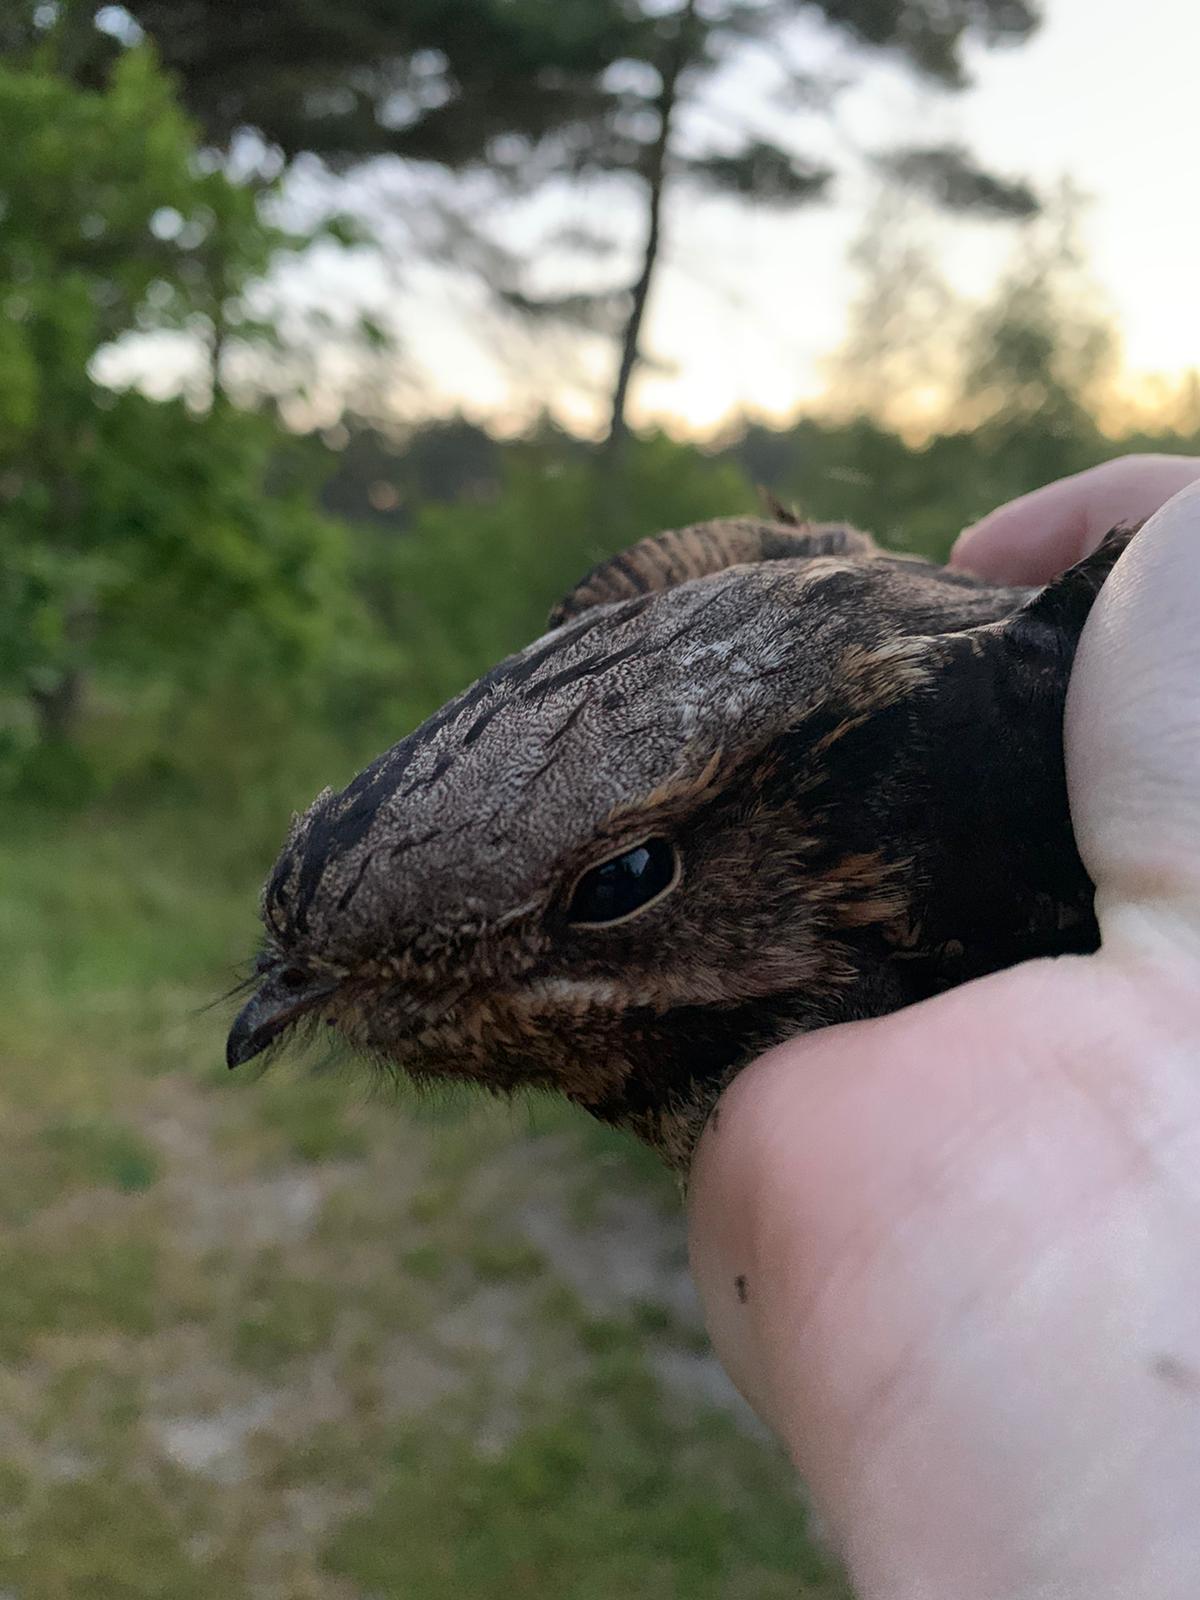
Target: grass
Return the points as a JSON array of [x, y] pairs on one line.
[[281, 1317], [592, 1503], [96, 1280], [96, 1151], [290, 1338], [108, 1536]]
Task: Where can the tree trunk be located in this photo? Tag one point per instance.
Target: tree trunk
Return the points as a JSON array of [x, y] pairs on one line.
[[71, 38], [59, 708], [655, 174]]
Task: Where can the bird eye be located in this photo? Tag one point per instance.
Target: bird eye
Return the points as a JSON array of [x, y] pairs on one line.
[[628, 883]]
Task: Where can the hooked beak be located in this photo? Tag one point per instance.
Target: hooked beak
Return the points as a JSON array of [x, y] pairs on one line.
[[265, 1016]]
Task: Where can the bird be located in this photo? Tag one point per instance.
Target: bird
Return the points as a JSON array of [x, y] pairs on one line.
[[759, 777]]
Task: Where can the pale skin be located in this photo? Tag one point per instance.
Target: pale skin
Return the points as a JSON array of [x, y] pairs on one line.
[[953, 1256]]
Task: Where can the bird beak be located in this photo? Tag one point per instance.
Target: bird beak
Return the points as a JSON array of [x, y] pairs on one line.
[[265, 1016]]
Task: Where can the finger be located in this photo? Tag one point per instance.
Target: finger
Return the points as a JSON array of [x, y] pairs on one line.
[[939, 1254], [1034, 538], [1133, 733], [819, 1203]]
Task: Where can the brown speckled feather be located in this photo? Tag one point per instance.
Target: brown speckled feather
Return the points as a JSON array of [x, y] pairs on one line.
[[816, 781]]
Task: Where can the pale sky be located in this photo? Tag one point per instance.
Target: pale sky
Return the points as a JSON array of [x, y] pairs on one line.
[[750, 304]]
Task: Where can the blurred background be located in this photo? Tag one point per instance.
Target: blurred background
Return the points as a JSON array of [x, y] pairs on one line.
[[337, 337]]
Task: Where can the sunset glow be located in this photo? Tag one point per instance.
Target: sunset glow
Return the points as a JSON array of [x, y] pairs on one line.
[[749, 306]]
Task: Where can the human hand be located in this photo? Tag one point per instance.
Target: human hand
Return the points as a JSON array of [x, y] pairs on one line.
[[1032, 539], [953, 1256]]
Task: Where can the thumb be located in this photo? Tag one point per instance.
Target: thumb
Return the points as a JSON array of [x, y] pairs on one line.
[[1133, 738]]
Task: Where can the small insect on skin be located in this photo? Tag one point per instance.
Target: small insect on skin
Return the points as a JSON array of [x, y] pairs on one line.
[[741, 1288], [758, 778]]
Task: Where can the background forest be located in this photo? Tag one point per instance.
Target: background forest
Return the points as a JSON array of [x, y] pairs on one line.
[[292, 1337]]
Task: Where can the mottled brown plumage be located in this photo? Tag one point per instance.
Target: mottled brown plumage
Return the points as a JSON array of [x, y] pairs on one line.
[[827, 781]]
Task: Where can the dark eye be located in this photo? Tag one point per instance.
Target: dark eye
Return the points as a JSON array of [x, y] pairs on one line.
[[619, 887]]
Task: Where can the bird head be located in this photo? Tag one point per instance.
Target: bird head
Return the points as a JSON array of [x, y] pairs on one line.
[[640, 850]]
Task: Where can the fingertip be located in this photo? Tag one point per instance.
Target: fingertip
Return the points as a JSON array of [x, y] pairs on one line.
[[1032, 539], [721, 1249], [767, 1173], [963, 550], [749, 1200], [1022, 542], [995, 548], [1027, 542]]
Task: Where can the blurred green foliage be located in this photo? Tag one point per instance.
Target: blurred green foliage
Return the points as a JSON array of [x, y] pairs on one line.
[[186, 589], [139, 539]]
